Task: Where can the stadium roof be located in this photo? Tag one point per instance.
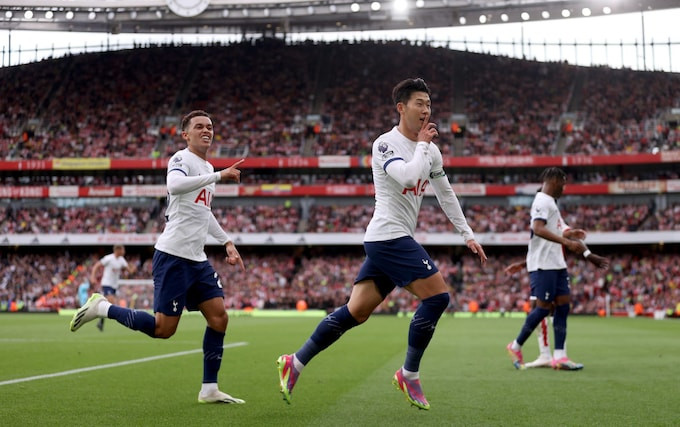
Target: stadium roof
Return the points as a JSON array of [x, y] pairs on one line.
[[294, 16]]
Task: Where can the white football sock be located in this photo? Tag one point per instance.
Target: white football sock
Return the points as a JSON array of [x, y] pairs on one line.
[[559, 354], [297, 364], [207, 388], [410, 375], [543, 340], [103, 309]]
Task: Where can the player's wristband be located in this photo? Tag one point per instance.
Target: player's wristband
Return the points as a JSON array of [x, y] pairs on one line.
[[586, 253]]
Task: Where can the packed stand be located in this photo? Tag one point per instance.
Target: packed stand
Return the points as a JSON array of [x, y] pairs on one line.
[[98, 220], [511, 102], [258, 94], [116, 104], [346, 176], [667, 219], [622, 108], [486, 218], [323, 278], [258, 218], [286, 217], [101, 104]]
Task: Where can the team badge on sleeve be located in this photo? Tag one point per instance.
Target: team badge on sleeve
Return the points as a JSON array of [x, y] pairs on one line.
[[176, 163], [384, 149]]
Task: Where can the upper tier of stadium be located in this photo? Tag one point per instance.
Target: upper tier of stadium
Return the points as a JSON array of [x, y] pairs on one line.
[[269, 98]]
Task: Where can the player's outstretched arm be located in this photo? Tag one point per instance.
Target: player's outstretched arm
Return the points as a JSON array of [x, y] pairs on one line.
[[179, 183]]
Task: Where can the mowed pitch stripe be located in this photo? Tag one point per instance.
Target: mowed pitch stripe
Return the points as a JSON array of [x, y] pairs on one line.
[[112, 365]]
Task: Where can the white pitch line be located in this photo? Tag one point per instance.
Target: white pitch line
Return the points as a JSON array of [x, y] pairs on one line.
[[111, 365]]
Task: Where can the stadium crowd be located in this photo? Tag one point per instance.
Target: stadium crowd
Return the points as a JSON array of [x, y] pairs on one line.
[[323, 218], [322, 277], [343, 177], [262, 93], [100, 219]]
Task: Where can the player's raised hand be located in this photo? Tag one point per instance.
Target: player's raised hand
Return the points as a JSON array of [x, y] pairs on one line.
[[233, 257], [232, 173], [428, 130]]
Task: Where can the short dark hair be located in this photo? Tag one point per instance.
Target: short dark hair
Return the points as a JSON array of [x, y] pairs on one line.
[[196, 113], [403, 90], [552, 173]]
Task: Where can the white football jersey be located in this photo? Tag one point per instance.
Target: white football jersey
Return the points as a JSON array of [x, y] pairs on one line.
[[396, 206], [188, 214], [113, 266], [544, 254]]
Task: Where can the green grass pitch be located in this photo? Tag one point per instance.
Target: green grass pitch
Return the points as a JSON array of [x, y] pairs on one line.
[[631, 375]]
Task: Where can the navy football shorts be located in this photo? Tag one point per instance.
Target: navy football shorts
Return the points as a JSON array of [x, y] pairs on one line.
[[179, 283], [396, 262], [546, 285]]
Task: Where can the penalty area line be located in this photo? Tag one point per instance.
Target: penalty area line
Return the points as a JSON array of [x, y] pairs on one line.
[[112, 365]]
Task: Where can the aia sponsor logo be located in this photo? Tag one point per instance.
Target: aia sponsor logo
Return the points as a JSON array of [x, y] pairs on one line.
[[418, 189], [204, 198]]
